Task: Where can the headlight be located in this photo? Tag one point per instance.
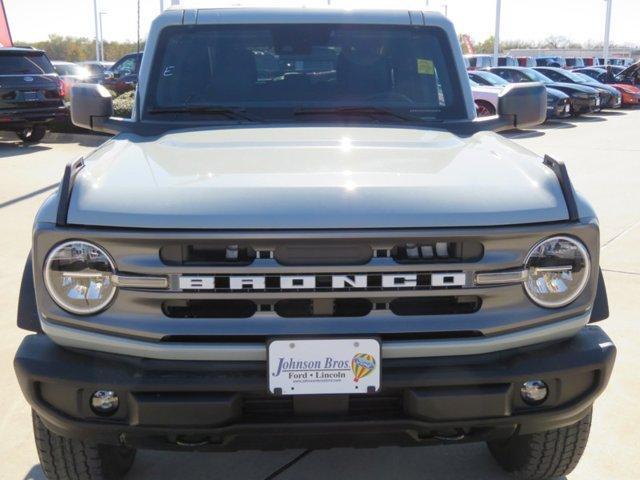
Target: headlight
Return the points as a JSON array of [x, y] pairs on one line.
[[557, 271], [78, 277]]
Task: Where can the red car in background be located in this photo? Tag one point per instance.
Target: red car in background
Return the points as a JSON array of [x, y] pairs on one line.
[[630, 93]]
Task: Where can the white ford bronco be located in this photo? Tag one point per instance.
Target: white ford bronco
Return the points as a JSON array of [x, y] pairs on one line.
[[304, 238]]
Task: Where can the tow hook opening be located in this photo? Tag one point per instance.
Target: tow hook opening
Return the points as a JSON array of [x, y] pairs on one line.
[[193, 441], [453, 435]]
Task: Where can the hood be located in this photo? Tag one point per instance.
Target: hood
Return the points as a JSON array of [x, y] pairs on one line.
[[572, 87], [557, 94], [626, 87], [313, 177]]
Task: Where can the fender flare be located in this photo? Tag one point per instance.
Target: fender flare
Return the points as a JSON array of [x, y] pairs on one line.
[[28, 318], [600, 310]]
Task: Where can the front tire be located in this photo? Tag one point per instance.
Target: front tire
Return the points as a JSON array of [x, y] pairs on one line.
[[544, 455], [32, 134], [69, 459]]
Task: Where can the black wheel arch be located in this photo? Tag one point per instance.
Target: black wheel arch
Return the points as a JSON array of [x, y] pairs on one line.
[[600, 310], [28, 318]]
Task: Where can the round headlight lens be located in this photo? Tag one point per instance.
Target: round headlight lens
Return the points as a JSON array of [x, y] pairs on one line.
[[557, 271], [78, 277]]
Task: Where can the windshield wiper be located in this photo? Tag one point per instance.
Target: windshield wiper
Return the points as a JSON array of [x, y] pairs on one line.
[[229, 112], [367, 111]]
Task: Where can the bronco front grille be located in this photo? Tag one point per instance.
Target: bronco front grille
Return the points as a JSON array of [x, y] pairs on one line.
[[323, 307]]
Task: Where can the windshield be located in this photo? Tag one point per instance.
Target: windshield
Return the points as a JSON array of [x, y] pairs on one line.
[[24, 64], [276, 67], [584, 78], [573, 76], [536, 76], [492, 78]]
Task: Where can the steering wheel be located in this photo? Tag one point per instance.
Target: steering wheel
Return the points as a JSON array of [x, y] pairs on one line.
[[391, 96]]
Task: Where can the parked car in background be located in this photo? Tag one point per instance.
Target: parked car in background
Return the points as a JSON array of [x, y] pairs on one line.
[[574, 62], [506, 61], [485, 98], [97, 70], [589, 61], [478, 61], [526, 62], [551, 62], [609, 96], [123, 75], [630, 93], [558, 105], [630, 75], [70, 73], [31, 93], [582, 99]]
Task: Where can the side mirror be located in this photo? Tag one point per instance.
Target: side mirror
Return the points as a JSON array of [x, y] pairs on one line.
[[523, 105], [91, 105]]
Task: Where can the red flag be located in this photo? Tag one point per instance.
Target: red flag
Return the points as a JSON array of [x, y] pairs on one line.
[[5, 32]]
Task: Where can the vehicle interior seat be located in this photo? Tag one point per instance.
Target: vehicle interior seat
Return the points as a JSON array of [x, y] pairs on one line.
[[363, 72]]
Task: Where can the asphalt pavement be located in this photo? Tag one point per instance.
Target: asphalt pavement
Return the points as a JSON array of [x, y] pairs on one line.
[[602, 153]]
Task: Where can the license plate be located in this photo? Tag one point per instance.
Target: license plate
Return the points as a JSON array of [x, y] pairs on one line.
[[597, 102], [567, 108], [30, 96], [327, 366]]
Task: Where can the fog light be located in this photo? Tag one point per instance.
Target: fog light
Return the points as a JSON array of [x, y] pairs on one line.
[[104, 402], [534, 392]]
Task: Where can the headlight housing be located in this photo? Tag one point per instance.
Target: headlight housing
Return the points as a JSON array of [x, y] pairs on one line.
[[77, 275], [557, 271]]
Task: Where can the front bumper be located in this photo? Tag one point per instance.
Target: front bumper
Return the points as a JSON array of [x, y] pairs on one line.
[[630, 98], [584, 105], [559, 110], [226, 405]]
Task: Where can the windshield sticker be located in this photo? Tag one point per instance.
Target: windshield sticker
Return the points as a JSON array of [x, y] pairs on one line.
[[425, 67]]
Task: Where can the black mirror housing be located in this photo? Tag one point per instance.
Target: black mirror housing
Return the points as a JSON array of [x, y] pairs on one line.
[[523, 105], [91, 105]]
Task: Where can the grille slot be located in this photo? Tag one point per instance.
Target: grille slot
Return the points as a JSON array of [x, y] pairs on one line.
[[262, 408], [207, 255], [347, 307], [323, 254], [435, 305], [209, 308], [438, 251]]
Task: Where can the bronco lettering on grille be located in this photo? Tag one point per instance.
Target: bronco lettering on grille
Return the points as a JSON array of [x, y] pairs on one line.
[[324, 281]]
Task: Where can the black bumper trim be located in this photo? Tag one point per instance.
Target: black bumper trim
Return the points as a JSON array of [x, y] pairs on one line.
[[178, 404]]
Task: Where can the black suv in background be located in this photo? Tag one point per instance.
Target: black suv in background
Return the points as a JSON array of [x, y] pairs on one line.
[[31, 93]]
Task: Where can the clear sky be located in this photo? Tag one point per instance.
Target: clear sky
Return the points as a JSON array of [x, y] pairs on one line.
[[579, 20]]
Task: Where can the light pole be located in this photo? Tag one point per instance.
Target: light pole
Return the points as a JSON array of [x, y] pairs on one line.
[[101, 36], [496, 37], [95, 18], [607, 28], [161, 6]]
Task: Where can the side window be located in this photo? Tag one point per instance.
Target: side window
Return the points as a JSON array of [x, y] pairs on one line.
[[519, 77], [125, 67], [553, 75], [506, 74]]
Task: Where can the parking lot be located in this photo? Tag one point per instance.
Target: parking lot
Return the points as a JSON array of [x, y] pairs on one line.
[[602, 153]]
